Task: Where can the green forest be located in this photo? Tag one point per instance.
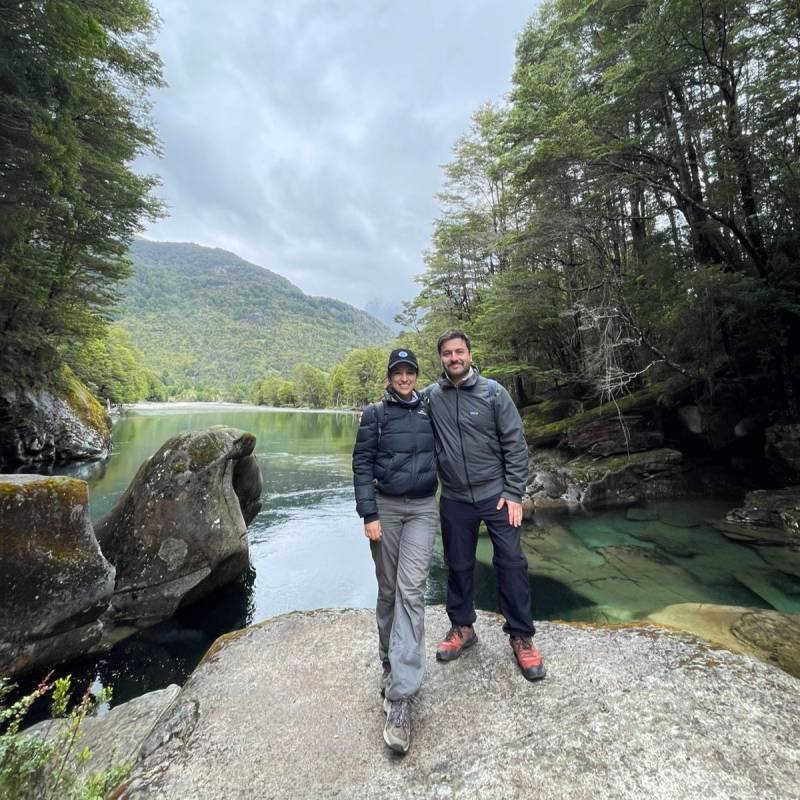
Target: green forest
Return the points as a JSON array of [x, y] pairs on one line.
[[632, 213], [209, 323]]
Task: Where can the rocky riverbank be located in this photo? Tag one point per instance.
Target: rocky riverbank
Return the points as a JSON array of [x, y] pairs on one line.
[[291, 708], [57, 423], [177, 533], [652, 445]]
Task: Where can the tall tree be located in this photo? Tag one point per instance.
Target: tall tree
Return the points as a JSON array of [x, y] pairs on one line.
[[74, 77], [650, 154]]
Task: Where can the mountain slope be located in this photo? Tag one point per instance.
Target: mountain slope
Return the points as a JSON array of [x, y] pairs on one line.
[[206, 318]]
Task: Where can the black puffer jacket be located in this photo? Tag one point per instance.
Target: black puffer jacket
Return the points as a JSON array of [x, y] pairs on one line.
[[400, 461]]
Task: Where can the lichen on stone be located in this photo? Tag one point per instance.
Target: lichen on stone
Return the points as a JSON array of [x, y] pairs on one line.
[[205, 449]]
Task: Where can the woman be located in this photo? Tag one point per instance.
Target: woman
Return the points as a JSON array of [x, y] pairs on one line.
[[394, 474]]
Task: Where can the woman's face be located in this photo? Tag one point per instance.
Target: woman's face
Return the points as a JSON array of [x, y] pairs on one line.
[[402, 380]]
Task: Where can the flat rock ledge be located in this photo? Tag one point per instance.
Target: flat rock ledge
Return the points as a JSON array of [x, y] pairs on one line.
[[290, 708]]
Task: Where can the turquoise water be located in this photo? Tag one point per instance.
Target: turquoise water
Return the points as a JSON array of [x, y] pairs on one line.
[[308, 550]]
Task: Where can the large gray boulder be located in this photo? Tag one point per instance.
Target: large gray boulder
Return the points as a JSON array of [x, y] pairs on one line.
[[769, 635], [55, 581], [180, 529], [41, 427], [290, 708], [114, 738]]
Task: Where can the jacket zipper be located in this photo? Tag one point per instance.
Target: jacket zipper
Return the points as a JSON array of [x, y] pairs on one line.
[[461, 440], [414, 448]]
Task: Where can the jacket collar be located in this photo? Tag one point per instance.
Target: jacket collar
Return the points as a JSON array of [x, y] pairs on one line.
[[468, 383], [390, 397]]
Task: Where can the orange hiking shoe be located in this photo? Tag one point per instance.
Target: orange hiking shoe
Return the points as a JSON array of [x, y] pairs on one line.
[[458, 638], [529, 659]]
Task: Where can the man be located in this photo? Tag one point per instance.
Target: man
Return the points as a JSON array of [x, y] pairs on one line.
[[482, 460]]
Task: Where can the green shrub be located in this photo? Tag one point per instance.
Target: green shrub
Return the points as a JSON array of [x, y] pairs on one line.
[[51, 766]]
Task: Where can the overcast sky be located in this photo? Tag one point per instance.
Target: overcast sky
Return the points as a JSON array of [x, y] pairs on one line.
[[308, 136]]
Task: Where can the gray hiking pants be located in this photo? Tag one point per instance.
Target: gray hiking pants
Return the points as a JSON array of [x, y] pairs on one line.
[[402, 558]]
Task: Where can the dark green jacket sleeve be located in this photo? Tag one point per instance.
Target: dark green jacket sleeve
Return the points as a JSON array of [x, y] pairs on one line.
[[364, 452], [512, 442]]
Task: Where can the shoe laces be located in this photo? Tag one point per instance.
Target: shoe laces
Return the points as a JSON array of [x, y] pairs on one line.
[[400, 713], [454, 633], [522, 642]]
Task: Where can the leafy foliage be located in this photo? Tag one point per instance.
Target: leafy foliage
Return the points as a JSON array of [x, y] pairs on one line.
[[113, 368], [73, 116], [51, 767], [635, 207], [310, 385]]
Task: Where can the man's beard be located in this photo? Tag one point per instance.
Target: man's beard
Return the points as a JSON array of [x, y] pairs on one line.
[[457, 370]]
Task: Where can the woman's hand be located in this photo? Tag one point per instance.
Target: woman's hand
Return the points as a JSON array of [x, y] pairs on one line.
[[372, 530]]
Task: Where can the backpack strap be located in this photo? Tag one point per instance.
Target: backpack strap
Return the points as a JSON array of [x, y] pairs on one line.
[[491, 391], [380, 415]]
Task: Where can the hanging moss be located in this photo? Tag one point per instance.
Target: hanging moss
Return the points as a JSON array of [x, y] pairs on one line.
[[83, 403]]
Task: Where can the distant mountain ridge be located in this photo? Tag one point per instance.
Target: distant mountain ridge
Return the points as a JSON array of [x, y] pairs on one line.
[[204, 317]]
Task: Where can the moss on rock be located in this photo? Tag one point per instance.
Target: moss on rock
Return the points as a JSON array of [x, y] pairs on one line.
[[56, 582], [543, 425], [207, 448], [587, 469], [83, 403], [67, 492]]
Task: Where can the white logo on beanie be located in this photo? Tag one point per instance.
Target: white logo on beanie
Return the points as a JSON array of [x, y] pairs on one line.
[[402, 354]]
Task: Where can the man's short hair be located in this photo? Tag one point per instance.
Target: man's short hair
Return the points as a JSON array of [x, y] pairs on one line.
[[453, 333]]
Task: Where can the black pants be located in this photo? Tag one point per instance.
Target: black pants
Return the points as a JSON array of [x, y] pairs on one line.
[[460, 523]]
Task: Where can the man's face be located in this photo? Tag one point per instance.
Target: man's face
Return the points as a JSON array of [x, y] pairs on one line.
[[456, 358]]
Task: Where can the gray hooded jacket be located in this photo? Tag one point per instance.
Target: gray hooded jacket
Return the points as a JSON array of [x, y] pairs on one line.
[[480, 446]]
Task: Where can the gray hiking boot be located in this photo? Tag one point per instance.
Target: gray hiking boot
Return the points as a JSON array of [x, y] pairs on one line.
[[387, 671], [397, 731]]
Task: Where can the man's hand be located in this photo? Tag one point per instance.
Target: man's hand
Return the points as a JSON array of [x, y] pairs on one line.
[[514, 511], [372, 530]]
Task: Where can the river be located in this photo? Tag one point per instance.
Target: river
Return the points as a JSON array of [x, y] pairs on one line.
[[308, 550]]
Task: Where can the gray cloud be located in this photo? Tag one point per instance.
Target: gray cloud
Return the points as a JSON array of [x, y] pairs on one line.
[[307, 135]]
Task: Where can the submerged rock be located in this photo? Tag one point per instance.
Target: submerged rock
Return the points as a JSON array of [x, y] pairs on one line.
[[766, 634], [180, 529], [51, 426], [776, 635], [56, 582], [290, 708], [641, 514]]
